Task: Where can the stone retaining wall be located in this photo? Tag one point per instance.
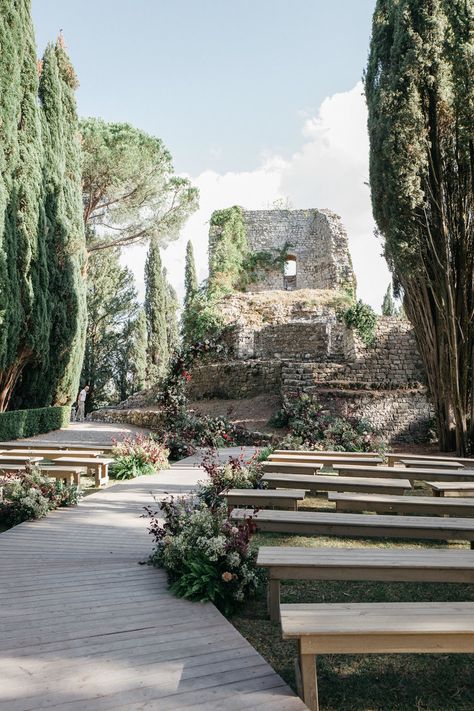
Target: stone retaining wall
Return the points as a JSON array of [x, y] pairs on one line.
[[235, 379]]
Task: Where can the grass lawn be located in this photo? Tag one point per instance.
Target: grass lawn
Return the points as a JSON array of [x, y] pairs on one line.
[[397, 682]]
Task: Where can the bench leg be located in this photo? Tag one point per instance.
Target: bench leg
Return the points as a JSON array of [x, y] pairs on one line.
[[309, 681], [273, 600], [472, 545], [97, 476]]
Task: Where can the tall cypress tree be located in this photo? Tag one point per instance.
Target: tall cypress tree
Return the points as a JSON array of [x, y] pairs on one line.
[[23, 267], [55, 377], [155, 310], [172, 305], [420, 95], [190, 277], [388, 304]]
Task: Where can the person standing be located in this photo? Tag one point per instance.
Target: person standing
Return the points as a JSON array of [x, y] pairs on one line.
[[81, 404]]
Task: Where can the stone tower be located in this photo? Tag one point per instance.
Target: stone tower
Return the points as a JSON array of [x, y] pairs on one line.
[[314, 241]]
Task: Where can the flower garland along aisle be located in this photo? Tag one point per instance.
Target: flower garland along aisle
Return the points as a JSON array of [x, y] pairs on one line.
[[207, 557]]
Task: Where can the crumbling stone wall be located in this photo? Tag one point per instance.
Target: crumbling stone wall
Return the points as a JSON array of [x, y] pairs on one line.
[[234, 379], [316, 238]]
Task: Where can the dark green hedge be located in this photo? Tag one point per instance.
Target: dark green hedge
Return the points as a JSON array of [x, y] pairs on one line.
[[27, 423]]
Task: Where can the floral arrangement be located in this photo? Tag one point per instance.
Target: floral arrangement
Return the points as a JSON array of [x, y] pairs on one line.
[[28, 495], [236, 473], [312, 427], [138, 456], [206, 556]]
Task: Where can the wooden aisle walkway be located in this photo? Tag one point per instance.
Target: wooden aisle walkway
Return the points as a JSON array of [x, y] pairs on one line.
[[84, 627]]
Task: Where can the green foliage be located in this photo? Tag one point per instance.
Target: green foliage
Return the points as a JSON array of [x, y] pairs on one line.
[[155, 311], [361, 317], [172, 306], [114, 334], [419, 86], [388, 305], [311, 427], [221, 477], [30, 495], [55, 376], [128, 358], [206, 556], [202, 319], [190, 276], [42, 309], [137, 457], [229, 249], [16, 424], [131, 193]]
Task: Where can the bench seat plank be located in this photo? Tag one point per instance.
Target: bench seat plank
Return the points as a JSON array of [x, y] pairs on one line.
[[335, 483], [413, 474], [399, 456], [441, 487], [403, 504], [366, 525], [284, 498], [431, 619], [55, 453], [298, 563], [292, 467], [323, 452], [324, 459], [439, 464]]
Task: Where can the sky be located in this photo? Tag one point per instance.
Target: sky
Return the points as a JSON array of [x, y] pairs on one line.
[[257, 100]]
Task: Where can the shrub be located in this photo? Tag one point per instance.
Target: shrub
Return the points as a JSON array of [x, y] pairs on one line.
[[311, 427], [15, 424], [361, 317], [233, 474], [206, 556], [138, 456], [29, 495]]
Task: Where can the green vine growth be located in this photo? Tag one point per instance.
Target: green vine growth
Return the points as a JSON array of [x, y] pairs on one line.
[[361, 317]]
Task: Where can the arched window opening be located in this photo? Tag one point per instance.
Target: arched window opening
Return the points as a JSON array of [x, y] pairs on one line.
[[289, 271]]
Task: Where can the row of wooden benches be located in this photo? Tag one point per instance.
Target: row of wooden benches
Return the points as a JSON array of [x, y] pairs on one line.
[[67, 462], [363, 628]]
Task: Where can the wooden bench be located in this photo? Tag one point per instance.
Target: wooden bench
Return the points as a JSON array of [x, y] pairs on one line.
[[440, 488], [413, 474], [417, 463], [426, 505], [264, 498], [70, 475], [315, 484], [100, 466], [392, 458], [395, 565], [363, 525], [18, 459], [374, 628], [55, 453], [324, 452], [292, 467], [51, 444], [327, 460]]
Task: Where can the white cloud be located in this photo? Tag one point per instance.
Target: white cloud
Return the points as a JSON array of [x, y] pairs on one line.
[[329, 171]]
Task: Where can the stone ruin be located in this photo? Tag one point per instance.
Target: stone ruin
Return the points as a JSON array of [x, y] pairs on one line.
[[287, 338]]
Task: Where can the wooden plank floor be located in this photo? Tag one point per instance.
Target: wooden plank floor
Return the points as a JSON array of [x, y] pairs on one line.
[[84, 627]]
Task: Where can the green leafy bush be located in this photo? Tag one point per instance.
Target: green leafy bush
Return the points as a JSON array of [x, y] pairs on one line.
[[138, 456], [29, 495], [236, 473], [15, 424], [361, 317], [312, 427], [206, 556]]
